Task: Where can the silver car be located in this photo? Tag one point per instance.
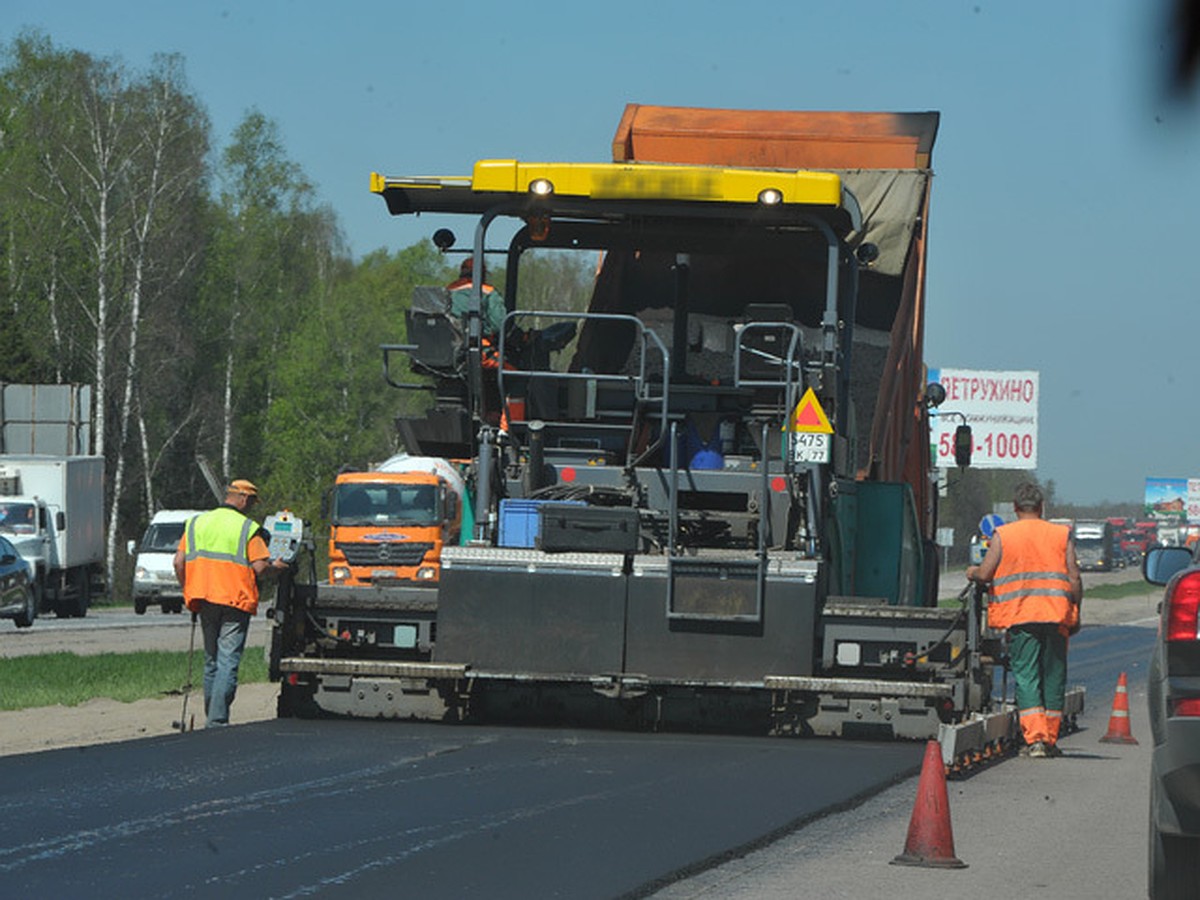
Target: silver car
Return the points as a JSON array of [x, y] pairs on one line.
[[1174, 697]]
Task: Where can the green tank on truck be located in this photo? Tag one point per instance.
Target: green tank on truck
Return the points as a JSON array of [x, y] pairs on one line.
[[704, 501]]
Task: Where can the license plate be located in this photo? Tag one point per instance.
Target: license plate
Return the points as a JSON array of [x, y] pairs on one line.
[[810, 447]]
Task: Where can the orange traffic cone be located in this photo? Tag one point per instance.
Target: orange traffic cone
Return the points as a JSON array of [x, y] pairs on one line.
[[1118, 723], [930, 841]]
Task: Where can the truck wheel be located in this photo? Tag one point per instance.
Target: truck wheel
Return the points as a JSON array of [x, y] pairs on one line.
[[139, 606], [83, 594], [25, 617]]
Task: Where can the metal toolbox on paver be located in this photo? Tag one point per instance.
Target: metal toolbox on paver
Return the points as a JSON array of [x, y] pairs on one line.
[[567, 527]]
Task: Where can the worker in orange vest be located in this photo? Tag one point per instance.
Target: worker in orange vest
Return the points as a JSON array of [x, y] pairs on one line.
[[218, 562], [1036, 592], [493, 310], [491, 316]]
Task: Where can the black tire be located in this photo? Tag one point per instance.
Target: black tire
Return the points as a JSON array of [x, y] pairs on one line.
[[296, 701], [139, 606], [1174, 859], [175, 607], [83, 594], [25, 618], [39, 595]]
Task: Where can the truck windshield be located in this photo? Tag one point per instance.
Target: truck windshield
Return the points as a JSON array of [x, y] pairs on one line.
[[386, 504], [18, 518], [162, 538]]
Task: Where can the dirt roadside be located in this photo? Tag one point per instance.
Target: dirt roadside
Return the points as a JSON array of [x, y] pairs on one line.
[[106, 721]]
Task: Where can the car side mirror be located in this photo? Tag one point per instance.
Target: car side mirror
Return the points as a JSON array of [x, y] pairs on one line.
[[1162, 563]]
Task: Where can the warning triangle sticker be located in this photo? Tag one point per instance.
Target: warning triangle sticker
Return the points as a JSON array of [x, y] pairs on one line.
[[808, 416]]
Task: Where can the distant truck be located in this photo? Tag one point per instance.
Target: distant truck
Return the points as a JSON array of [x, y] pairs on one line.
[[154, 581], [1094, 545], [388, 525], [1137, 538], [52, 510]]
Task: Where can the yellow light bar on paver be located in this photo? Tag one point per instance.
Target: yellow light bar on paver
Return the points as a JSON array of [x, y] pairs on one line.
[[658, 182]]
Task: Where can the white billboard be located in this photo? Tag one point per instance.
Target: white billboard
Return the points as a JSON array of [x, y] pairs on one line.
[[1000, 407]]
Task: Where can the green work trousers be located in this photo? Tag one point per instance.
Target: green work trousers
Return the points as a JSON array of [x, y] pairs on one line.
[[1038, 656]]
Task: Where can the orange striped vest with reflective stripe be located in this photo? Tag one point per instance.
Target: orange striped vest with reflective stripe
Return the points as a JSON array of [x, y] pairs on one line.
[[217, 560], [1031, 582]]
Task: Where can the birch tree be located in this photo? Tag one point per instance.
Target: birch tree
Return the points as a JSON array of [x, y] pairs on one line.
[[273, 250], [43, 328], [164, 178]]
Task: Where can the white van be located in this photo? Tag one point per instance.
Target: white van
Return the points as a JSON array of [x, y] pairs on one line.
[[154, 580]]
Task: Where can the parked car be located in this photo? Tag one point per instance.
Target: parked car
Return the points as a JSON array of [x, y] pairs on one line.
[[1174, 697], [17, 598]]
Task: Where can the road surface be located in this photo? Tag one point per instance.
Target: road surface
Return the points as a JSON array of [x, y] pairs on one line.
[[284, 808]]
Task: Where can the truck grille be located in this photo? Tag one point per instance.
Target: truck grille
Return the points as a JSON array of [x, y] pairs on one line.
[[384, 554]]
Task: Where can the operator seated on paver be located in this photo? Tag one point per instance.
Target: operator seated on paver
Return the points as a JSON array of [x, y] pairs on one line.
[[492, 309]]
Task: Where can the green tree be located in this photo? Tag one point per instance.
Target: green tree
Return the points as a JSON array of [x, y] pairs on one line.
[[332, 407], [274, 252], [47, 273], [162, 241]]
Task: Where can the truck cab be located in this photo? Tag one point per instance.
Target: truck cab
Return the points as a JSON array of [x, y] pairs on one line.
[[154, 581], [1094, 546], [388, 526]]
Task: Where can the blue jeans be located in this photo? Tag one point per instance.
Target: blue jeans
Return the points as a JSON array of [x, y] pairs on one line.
[[225, 630]]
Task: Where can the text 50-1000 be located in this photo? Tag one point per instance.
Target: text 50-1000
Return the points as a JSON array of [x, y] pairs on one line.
[[998, 445]]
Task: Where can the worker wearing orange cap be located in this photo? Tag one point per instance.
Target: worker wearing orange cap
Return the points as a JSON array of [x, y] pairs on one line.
[[219, 559]]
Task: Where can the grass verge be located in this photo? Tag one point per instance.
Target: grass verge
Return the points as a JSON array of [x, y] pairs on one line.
[[69, 679], [1117, 590]]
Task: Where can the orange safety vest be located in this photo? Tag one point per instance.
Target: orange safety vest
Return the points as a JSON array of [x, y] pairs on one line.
[[1031, 583], [219, 547]]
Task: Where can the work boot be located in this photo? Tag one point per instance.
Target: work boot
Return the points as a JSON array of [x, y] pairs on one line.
[[1053, 751], [1037, 750]]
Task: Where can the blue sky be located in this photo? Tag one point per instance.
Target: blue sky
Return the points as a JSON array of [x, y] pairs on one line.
[[1066, 186]]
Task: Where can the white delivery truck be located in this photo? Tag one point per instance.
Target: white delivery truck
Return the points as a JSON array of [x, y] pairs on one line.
[[52, 510], [154, 581], [1093, 545]]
